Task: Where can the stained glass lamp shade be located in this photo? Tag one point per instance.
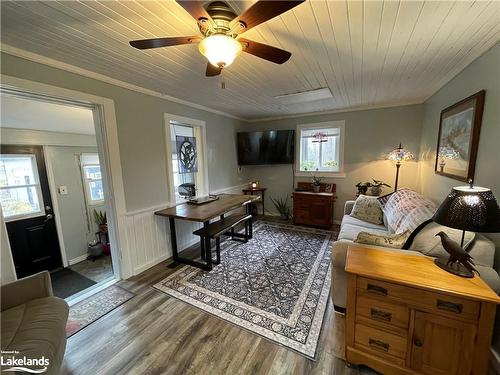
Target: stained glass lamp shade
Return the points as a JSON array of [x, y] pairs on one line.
[[399, 155]]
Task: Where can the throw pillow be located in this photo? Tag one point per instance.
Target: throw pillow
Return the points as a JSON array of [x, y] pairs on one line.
[[368, 209], [406, 210], [395, 241]]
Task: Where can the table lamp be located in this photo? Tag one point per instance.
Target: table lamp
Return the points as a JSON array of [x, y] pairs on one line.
[[468, 208], [399, 155]]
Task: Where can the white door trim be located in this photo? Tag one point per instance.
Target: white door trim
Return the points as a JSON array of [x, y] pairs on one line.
[[167, 118], [107, 143]]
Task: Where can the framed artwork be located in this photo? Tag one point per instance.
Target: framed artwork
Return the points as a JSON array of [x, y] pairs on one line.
[[328, 188], [458, 138]]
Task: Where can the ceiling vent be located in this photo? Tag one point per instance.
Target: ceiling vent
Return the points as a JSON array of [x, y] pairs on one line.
[[305, 96]]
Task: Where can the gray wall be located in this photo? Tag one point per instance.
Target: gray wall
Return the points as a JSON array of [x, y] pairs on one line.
[[140, 132], [77, 222], [369, 136], [483, 73]]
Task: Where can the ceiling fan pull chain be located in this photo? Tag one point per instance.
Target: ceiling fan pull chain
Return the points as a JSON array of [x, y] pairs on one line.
[[222, 81]]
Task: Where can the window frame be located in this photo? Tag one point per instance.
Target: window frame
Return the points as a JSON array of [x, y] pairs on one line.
[[320, 125], [203, 187], [37, 185], [86, 184]]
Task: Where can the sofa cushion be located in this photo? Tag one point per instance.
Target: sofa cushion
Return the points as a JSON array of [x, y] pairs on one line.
[[36, 329], [350, 232], [395, 241], [406, 210], [350, 220], [368, 209]]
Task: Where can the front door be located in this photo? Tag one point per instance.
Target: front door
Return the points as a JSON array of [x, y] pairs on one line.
[[27, 210]]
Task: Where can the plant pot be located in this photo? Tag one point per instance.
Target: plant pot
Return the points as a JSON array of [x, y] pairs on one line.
[[103, 228], [95, 250], [375, 191], [284, 216], [316, 188]]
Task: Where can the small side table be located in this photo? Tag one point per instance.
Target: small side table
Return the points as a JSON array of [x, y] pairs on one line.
[[260, 191]]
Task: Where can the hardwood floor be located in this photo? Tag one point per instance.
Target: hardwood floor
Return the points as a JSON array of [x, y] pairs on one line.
[[154, 333]]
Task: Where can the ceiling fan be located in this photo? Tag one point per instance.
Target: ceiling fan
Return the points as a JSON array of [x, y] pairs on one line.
[[220, 28]]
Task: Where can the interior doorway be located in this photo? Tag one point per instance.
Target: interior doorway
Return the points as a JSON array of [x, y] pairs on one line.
[[52, 193]]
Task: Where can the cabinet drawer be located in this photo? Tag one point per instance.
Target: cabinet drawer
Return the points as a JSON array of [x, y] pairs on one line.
[[435, 302], [301, 205], [379, 342], [386, 313]]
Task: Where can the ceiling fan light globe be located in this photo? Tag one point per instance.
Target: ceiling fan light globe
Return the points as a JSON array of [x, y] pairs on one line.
[[220, 50]]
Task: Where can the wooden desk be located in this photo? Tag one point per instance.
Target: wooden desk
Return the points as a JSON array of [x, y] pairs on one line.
[[259, 190], [405, 315], [203, 213]]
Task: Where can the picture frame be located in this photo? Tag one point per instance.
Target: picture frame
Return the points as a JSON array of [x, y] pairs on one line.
[[458, 138], [328, 188]]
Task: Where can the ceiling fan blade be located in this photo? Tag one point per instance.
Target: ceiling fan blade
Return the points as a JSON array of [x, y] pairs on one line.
[[212, 71], [260, 12], [164, 42], [269, 53]]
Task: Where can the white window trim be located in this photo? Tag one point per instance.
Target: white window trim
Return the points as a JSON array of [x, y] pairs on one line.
[[203, 189], [88, 195], [320, 125], [38, 189]]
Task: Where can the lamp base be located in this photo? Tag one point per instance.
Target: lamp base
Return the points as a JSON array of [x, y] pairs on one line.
[[454, 268]]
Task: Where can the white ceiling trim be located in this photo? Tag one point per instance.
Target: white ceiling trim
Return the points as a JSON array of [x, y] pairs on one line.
[[101, 77]]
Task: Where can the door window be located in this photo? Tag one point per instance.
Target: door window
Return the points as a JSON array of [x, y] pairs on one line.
[[187, 160], [20, 193]]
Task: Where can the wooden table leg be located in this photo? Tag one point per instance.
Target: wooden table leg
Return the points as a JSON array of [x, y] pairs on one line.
[[208, 248]]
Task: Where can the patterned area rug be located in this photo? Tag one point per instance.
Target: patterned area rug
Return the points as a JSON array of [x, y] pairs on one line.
[[276, 285], [94, 307]]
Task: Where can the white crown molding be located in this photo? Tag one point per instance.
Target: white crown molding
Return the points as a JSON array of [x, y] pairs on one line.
[[343, 110], [31, 56]]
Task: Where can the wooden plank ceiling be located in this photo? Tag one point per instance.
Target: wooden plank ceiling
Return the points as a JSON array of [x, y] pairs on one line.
[[369, 53]]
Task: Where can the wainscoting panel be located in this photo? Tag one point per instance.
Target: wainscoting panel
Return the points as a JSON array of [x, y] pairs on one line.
[[148, 235]]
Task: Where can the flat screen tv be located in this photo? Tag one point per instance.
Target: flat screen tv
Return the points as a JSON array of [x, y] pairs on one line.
[[268, 147]]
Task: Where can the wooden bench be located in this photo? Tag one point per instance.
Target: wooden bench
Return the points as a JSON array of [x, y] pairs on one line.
[[225, 226]]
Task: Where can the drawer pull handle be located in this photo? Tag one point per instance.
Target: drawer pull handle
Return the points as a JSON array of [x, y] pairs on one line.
[[380, 315], [417, 343], [449, 306], [377, 344], [375, 289]]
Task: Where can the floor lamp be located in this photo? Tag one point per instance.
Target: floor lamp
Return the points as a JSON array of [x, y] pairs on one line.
[[399, 155]]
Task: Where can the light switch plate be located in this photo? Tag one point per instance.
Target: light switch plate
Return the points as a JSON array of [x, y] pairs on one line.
[[63, 190]]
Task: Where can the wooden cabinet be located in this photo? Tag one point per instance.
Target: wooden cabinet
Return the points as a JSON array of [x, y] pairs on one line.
[[405, 315], [313, 208]]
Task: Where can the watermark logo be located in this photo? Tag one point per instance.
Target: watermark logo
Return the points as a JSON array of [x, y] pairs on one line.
[[11, 361]]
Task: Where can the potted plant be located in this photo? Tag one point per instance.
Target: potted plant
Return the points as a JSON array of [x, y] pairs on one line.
[[101, 220], [363, 187], [282, 207], [376, 187], [316, 183]]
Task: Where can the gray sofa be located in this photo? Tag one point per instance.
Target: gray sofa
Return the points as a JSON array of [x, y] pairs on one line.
[[425, 243], [34, 321]]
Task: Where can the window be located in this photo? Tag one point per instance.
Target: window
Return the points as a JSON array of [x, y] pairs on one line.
[[20, 193], [187, 174], [320, 149], [92, 178]]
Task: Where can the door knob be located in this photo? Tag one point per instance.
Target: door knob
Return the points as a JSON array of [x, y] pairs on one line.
[[48, 217], [417, 342]]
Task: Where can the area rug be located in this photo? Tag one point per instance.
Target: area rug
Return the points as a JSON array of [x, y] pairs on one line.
[[66, 282], [94, 307], [275, 285]]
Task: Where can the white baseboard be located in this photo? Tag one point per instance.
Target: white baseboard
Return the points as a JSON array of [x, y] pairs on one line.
[[79, 259], [151, 263], [495, 360]]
